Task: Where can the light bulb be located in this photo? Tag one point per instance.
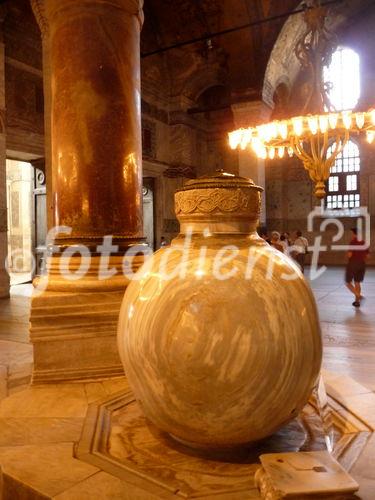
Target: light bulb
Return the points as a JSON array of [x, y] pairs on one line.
[[261, 132], [313, 124], [370, 136], [246, 137], [332, 119], [372, 112], [360, 119], [280, 151], [283, 129], [273, 129], [290, 151], [323, 123], [235, 138], [256, 144], [271, 153], [263, 153], [298, 125], [347, 119], [268, 132]]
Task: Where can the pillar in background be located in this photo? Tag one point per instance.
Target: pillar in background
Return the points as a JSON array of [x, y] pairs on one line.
[[247, 114], [92, 89], [4, 277]]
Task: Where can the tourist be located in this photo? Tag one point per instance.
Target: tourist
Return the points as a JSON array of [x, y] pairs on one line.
[[284, 243], [300, 249], [275, 241], [356, 267], [163, 242], [263, 234], [287, 238]]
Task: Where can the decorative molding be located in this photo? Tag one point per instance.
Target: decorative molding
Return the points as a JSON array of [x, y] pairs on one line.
[[180, 170], [132, 7], [117, 438], [40, 16], [235, 201]]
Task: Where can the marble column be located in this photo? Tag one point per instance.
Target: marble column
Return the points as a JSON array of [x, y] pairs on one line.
[[92, 91], [4, 277], [246, 114]]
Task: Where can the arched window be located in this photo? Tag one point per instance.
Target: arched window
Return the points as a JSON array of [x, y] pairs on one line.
[[343, 78], [343, 183]]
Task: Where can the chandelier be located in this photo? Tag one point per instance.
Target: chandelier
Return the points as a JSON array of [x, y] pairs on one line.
[[320, 133]]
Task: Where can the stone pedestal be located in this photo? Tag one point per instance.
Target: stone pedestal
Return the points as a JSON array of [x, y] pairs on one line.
[[92, 80], [247, 114]]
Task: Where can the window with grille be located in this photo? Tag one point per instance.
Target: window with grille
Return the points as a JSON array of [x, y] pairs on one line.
[[343, 184]]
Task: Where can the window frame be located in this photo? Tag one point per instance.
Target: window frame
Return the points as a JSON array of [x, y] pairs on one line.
[[347, 164]]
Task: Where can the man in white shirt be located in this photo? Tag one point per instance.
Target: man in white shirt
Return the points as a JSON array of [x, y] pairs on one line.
[[299, 250]]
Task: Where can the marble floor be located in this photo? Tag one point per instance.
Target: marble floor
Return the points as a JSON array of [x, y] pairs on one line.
[[16, 353], [349, 333], [41, 425]]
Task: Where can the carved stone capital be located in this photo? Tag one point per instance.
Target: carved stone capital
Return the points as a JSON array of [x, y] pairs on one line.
[[45, 10], [40, 16]]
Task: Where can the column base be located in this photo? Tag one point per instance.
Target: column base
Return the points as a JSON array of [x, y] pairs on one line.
[[73, 324], [74, 336]]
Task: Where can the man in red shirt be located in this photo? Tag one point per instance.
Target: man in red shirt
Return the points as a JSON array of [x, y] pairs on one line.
[[356, 267]]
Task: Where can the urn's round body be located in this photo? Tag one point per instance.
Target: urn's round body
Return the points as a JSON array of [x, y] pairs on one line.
[[224, 349]]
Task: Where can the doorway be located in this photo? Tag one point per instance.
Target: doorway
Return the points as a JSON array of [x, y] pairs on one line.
[[19, 183], [148, 211]]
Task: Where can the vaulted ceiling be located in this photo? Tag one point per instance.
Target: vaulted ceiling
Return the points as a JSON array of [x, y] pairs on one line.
[[236, 60], [245, 51]]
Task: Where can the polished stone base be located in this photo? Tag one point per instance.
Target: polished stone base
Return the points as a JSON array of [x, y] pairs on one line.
[[74, 336], [90, 440]]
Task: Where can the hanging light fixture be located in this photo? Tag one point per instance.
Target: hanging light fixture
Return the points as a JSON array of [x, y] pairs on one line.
[[319, 135]]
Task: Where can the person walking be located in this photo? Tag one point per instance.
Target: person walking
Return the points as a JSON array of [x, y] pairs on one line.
[[300, 249], [356, 267]]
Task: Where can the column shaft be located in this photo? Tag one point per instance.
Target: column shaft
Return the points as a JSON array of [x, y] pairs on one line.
[[92, 86], [4, 277]]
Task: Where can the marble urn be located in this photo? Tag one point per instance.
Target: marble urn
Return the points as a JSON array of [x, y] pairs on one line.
[[218, 332]]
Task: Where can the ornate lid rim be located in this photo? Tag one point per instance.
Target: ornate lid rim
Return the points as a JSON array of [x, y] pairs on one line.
[[219, 185]]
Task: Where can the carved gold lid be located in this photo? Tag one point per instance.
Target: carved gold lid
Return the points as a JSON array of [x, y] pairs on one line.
[[223, 201], [220, 179]]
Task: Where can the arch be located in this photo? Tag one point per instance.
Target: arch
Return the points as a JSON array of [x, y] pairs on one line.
[[203, 79], [283, 65]]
